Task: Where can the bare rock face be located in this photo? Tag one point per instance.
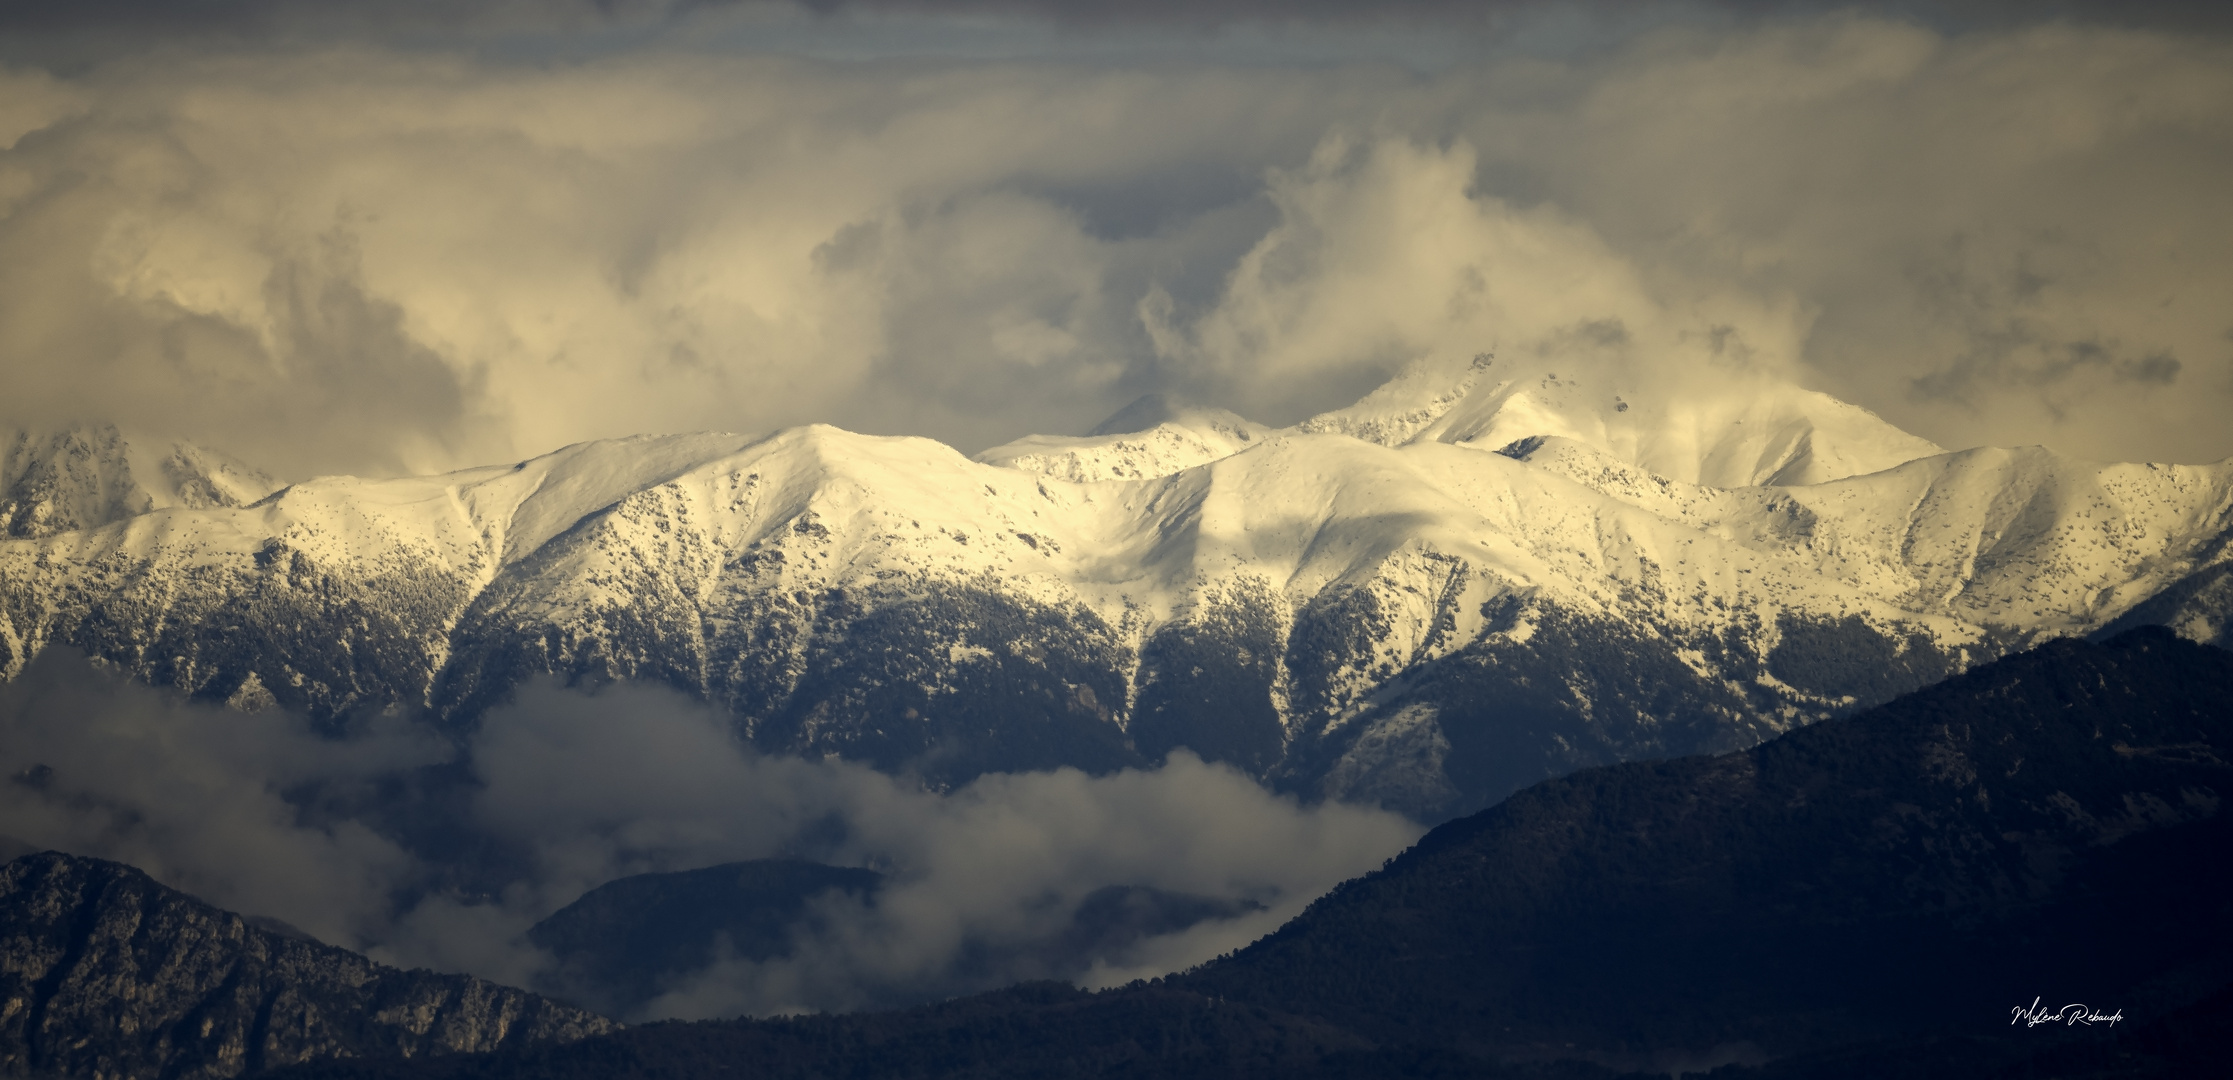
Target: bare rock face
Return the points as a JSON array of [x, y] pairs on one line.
[[106, 973]]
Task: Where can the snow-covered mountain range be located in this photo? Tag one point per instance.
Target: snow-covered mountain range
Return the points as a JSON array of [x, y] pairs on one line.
[[1477, 576]]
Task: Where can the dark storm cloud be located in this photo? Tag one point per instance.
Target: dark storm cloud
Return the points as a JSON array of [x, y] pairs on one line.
[[263, 16], [424, 17]]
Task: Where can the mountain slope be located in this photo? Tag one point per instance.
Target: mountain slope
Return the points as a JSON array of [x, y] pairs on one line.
[[106, 973], [886, 599], [2198, 606]]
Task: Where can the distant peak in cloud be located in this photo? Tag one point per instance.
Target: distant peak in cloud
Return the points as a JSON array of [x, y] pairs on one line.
[[1148, 411], [84, 477], [1144, 412]]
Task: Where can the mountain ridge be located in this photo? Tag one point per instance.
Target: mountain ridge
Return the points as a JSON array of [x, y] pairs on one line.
[[1427, 625]]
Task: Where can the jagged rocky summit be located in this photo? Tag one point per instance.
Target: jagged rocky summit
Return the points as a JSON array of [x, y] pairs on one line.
[[106, 973], [1485, 573]]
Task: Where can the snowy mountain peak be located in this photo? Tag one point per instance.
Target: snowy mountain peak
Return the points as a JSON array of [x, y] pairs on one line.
[[1399, 410], [88, 476], [1755, 430], [1156, 435]]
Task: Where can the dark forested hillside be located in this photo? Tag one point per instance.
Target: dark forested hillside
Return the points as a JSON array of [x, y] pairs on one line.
[[1864, 897], [106, 973], [2046, 825]]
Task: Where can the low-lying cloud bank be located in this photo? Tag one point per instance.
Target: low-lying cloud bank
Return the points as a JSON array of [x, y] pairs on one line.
[[361, 841], [364, 258]]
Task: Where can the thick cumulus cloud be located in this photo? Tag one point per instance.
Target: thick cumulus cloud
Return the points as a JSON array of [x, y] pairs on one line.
[[1383, 254], [355, 839], [379, 259], [364, 261]]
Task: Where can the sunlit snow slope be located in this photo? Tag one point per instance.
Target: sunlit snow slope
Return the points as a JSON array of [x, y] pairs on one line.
[[1378, 604]]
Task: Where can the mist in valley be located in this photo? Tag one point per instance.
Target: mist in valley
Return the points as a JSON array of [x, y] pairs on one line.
[[427, 851]]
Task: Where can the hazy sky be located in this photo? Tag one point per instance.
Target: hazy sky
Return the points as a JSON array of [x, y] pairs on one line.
[[383, 236]]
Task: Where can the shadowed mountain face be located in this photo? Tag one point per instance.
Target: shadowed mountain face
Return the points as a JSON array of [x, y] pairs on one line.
[[104, 972], [1873, 896]]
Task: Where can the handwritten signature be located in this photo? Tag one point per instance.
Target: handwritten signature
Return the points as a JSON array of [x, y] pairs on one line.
[[2032, 1016]]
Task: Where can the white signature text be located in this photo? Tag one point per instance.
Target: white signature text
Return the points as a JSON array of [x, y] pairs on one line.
[[2032, 1016]]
